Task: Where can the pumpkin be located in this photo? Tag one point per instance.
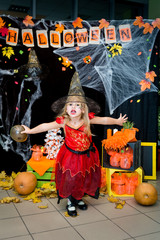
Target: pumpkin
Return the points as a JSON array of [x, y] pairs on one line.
[[25, 183], [146, 194]]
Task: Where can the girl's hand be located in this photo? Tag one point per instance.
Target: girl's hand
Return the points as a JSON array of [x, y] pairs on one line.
[[122, 119], [27, 129]]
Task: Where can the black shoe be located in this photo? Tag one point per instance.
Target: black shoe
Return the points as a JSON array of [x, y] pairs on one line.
[[81, 205], [71, 210]]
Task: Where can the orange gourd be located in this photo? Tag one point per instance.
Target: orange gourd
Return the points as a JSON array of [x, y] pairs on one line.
[[25, 183], [146, 194]]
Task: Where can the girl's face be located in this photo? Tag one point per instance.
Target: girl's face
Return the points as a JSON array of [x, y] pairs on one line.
[[74, 109]]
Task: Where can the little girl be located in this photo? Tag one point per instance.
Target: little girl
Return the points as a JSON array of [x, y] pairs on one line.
[[78, 170]]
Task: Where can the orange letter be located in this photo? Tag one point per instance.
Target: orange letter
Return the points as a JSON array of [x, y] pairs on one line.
[[12, 36], [94, 37], [42, 38], [82, 37], [68, 38], [110, 34], [125, 33], [55, 39], [27, 37]]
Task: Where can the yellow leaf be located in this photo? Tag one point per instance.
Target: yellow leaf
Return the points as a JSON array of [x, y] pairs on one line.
[[2, 23], [43, 206], [119, 206], [122, 202], [67, 215], [113, 199], [2, 175]]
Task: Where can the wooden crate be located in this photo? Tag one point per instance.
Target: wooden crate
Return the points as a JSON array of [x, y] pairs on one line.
[[110, 172], [50, 173]]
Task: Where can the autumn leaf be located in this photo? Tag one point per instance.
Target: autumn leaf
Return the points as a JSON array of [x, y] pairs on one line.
[[2, 23], [43, 206], [8, 52], [139, 22], [144, 85], [156, 23], [77, 23], [151, 75], [113, 199], [103, 23], [59, 28], [147, 28], [119, 206], [9, 200], [2, 175], [28, 21], [66, 62], [4, 31]]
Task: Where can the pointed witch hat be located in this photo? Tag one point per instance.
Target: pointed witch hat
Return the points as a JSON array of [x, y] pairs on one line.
[[33, 68], [77, 91]]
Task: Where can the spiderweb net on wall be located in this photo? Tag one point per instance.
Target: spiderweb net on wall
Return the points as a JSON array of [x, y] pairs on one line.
[[118, 76]]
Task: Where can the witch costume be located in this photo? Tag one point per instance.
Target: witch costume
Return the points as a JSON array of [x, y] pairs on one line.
[[78, 170]]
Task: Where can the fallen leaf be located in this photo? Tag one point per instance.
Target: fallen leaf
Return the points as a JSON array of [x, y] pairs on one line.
[[119, 206], [113, 199], [43, 206]]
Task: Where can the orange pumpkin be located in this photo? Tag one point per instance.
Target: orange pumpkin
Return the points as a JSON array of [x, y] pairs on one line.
[[25, 183], [146, 194]]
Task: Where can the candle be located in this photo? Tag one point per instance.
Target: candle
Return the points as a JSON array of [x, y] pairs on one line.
[[109, 133]]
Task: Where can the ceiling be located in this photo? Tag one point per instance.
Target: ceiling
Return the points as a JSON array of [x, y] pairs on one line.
[[65, 10]]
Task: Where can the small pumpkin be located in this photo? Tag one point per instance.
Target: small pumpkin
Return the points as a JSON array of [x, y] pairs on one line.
[[25, 183], [146, 194]]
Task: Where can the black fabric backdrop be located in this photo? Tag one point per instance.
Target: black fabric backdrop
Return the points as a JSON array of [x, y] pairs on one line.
[[144, 114]]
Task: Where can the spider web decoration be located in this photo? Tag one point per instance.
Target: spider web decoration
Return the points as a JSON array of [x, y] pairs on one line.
[[117, 76]]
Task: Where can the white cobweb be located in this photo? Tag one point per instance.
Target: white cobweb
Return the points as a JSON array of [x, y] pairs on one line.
[[117, 77]]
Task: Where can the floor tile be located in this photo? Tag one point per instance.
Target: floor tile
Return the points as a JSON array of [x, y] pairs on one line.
[[27, 237], [8, 211], [3, 194], [144, 209], [61, 206], [94, 201], [27, 207], [65, 233], [45, 222], [154, 215], [152, 236], [12, 227], [111, 212], [101, 230], [137, 225], [88, 216]]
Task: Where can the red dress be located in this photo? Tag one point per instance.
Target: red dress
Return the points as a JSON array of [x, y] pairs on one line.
[[78, 166]]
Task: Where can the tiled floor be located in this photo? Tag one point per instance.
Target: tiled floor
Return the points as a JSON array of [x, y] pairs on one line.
[[25, 221]]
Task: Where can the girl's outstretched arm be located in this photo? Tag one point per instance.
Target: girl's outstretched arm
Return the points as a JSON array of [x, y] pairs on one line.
[[42, 128], [109, 121]]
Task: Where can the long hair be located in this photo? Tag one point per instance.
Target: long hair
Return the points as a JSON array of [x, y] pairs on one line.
[[84, 114]]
